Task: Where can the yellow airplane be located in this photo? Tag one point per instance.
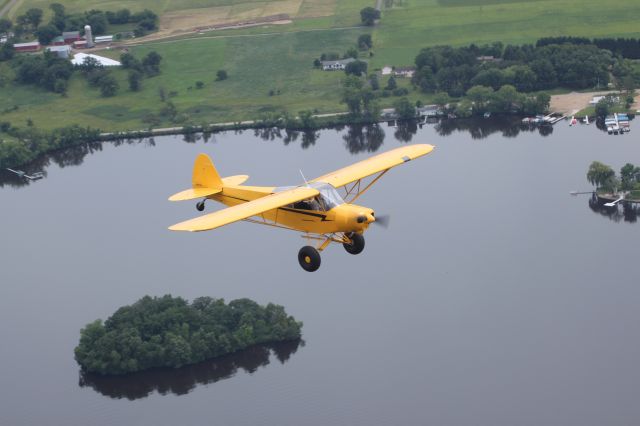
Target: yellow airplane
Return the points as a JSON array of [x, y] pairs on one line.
[[316, 208]]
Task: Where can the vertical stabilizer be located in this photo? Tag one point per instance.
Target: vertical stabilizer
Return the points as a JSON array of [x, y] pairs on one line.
[[205, 174]]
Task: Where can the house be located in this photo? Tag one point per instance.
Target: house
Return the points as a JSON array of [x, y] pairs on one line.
[[336, 65], [404, 72], [78, 59], [58, 41], [33, 46], [103, 39], [60, 51], [387, 70], [71, 36]]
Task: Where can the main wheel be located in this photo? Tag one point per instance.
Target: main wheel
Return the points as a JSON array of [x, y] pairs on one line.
[[356, 245], [309, 258], [200, 206]]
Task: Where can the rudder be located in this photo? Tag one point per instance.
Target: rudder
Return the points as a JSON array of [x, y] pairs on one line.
[[205, 174]]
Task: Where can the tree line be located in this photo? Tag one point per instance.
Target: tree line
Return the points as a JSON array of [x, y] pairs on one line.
[[628, 48], [52, 73], [528, 68], [26, 144], [171, 332]]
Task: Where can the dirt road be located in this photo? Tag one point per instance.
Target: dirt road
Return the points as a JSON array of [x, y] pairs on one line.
[[571, 103], [7, 7]]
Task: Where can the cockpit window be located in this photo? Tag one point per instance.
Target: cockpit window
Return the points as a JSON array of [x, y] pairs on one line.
[[329, 197], [325, 201]]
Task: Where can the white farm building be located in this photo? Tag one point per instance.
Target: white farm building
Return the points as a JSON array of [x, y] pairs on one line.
[[78, 59]]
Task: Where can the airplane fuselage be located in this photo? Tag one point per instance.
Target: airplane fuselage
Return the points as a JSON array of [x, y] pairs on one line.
[[341, 218]]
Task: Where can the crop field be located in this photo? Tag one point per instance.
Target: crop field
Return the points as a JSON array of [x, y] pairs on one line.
[[418, 23], [185, 15]]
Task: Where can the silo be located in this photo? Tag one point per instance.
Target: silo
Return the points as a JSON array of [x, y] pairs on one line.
[[88, 36]]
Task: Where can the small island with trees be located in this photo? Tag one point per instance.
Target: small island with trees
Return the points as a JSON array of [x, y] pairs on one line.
[[161, 332], [611, 187]]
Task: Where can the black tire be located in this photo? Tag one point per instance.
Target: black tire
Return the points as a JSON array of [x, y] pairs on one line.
[[357, 244], [309, 258], [200, 206]]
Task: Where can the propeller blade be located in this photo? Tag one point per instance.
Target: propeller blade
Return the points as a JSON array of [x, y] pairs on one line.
[[383, 220]]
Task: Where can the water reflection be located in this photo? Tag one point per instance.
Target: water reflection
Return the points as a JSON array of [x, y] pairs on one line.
[[181, 381], [405, 130], [480, 128], [363, 138], [358, 138], [627, 212]]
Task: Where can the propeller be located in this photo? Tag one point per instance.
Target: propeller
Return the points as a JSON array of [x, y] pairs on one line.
[[383, 220]]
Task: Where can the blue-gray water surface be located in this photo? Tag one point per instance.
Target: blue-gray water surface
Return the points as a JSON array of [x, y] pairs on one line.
[[494, 297]]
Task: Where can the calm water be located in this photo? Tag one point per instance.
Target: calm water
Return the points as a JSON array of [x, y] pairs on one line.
[[494, 298]]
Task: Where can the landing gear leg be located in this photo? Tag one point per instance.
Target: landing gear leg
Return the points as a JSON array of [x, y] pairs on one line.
[[200, 206], [356, 245], [309, 258]]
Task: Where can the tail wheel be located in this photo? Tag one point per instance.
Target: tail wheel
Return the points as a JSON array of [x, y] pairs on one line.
[[200, 206], [356, 245], [309, 258]]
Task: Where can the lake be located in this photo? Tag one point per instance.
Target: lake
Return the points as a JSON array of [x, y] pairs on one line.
[[493, 298]]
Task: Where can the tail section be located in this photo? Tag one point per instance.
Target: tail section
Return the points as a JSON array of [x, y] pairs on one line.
[[206, 181], [205, 174]]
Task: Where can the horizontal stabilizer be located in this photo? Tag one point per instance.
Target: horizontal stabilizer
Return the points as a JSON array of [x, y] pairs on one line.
[[194, 193]]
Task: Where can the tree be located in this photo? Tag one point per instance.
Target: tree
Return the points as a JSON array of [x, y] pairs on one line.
[[373, 81], [491, 77], [199, 84], [151, 63], [7, 51], [5, 25], [600, 174], [135, 80], [98, 21], [34, 17], [307, 120], [391, 83], [46, 33], [365, 42], [505, 99], [602, 108], [129, 61], [404, 109], [356, 68], [57, 9], [108, 86], [221, 75], [629, 176], [352, 52], [441, 99], [479, 96], [368, 15]]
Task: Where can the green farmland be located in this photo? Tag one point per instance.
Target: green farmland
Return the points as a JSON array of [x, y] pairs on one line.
[[270, 68]]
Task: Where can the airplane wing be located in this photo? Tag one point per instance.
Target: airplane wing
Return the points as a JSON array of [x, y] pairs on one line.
[[375, 164], [245, 210]]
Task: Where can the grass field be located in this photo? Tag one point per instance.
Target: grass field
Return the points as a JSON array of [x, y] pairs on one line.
[[279, 58]]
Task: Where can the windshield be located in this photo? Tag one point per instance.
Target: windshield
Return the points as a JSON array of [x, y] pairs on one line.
[[329, 197]]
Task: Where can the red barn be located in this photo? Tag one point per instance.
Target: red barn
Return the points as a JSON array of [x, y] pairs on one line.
[[33, 46], [71, 36]]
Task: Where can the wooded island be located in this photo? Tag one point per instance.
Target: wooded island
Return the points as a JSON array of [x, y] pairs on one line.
[[170, 332]]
